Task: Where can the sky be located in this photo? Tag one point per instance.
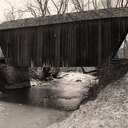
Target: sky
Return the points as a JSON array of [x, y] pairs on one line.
[[4, 6], [19, 4]]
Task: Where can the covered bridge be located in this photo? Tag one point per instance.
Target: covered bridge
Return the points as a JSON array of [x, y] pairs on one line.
[[76, 39]]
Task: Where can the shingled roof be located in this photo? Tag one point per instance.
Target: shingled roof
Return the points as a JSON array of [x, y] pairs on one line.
[[69, 17]]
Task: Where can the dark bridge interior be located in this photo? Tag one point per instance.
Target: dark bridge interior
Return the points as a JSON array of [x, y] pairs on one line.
[[83, 42]]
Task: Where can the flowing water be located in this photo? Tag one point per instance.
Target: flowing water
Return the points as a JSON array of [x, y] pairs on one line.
[[28, 108]]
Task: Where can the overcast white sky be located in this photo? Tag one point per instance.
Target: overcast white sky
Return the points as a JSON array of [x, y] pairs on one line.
[[4, 6], [19, 4]]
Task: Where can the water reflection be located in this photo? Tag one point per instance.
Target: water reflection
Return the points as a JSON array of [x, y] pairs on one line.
[[29, 108], [35, 96]]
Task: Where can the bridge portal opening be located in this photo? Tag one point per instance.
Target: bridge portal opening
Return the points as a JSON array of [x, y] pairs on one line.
[[2, 57], [1, 53], [123, 50]]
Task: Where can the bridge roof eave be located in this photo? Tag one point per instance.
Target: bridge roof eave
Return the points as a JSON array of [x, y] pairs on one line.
[[66, 18]]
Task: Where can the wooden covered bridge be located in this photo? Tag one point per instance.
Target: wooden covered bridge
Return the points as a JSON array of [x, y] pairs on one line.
[[75, 39]]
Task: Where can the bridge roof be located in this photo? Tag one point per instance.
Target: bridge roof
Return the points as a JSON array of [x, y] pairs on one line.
[[69, 17]]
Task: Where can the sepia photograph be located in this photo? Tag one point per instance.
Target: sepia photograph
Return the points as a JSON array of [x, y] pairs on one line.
[[63, 63]]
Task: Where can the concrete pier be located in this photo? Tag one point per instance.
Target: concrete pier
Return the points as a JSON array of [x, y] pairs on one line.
[[13, 77]]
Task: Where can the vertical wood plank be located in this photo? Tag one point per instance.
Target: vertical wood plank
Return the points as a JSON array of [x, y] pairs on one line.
[[99, 43], [57, 52]]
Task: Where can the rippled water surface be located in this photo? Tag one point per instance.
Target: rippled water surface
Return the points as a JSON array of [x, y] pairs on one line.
[[28, 108]]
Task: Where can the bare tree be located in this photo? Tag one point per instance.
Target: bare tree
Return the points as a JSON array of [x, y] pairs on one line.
[[81, 5], [114, 3], [42, 7], [61, 6], [122, 3], [12, 13], [95, 4], [78, 4], [37, 7]]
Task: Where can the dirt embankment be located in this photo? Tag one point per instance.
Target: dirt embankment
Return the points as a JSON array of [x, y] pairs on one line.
[[109, 110]]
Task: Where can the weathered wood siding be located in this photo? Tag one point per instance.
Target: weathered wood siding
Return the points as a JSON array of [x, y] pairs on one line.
[[79, 43]]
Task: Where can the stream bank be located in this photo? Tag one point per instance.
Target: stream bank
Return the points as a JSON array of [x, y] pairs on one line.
[[110, 108]]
